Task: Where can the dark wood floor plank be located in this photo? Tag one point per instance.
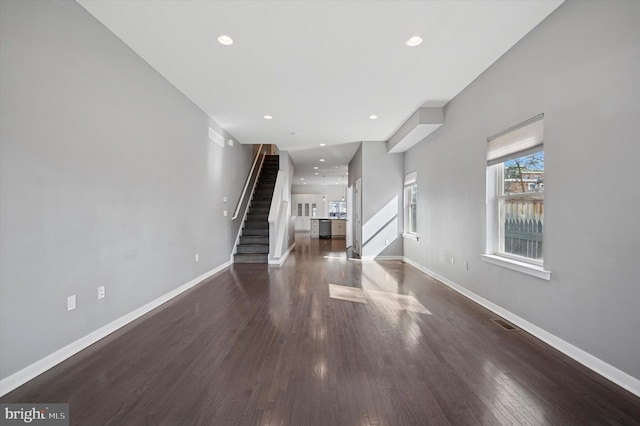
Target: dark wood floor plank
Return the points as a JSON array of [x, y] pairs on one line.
[[255, 345]]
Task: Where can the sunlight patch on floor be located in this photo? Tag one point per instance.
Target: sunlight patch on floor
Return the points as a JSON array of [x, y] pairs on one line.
[[350, 294], [336, 257], [400, 302]]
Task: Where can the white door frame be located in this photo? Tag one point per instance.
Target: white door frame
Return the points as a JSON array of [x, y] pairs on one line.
[[357, 223], [349, 227]]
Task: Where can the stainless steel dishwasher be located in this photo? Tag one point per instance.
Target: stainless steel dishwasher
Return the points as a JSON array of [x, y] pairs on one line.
[[324, 230]]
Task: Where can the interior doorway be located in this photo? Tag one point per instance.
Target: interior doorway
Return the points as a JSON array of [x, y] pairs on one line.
[[357, 217]]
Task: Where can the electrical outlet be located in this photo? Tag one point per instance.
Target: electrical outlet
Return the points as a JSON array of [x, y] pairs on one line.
[[101, 292], [386, 242], [197, 257], [224, 200], [453, 261], [71, 303], [224, 213]]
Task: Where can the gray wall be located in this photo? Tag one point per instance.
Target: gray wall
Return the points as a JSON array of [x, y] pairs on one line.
[[107, 178], [331, 192], [580, 68], [355, 167], [382, 204]]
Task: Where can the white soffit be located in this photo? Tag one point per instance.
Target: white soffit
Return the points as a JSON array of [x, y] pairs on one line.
[[421, 124]]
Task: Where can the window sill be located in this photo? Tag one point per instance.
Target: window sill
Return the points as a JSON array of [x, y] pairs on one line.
[[525, 268], [410, 236]]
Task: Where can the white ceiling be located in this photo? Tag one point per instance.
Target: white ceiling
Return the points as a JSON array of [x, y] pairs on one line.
[[320, 68]]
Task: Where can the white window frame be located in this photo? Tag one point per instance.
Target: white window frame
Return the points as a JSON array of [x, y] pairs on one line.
[[410, 181], [526, 137]]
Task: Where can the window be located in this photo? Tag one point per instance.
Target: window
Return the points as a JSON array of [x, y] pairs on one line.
[[410, 204], [338, 209], [515, 193]]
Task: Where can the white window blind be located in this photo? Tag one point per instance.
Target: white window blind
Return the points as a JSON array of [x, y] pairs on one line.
[[521, 139]]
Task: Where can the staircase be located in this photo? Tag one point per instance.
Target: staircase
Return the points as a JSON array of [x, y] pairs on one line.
[[254, 241]]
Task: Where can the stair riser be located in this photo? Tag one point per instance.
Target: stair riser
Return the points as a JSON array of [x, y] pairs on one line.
[[254, 240], [259, 210], [253, 249], [256, 225], [255, 232], [250, 258]]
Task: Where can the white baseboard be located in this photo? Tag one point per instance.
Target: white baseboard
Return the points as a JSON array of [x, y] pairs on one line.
[[283, 258], [23, 376], [382, 257], [608, 371]]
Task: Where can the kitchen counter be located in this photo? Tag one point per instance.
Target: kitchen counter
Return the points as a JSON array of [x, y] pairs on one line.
[[338, 228]]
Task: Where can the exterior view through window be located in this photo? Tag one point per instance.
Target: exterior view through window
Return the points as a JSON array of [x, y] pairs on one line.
[[515, 192], [522, 206]]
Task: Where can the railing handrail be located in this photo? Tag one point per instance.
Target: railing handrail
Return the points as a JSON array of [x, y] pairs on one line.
[[249, 178]]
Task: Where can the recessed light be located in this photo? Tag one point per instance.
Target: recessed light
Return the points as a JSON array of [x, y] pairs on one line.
[[316, 173], [315, 167], [301, 178], [323, 144], [268, 117], [414, 41], [225, 40], [305, 183], [373, 117], [322, 159]]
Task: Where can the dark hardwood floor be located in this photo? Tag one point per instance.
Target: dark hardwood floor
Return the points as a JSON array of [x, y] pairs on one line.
[[255, 345]]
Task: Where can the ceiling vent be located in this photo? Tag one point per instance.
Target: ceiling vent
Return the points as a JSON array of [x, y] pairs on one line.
[[216, 137]]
